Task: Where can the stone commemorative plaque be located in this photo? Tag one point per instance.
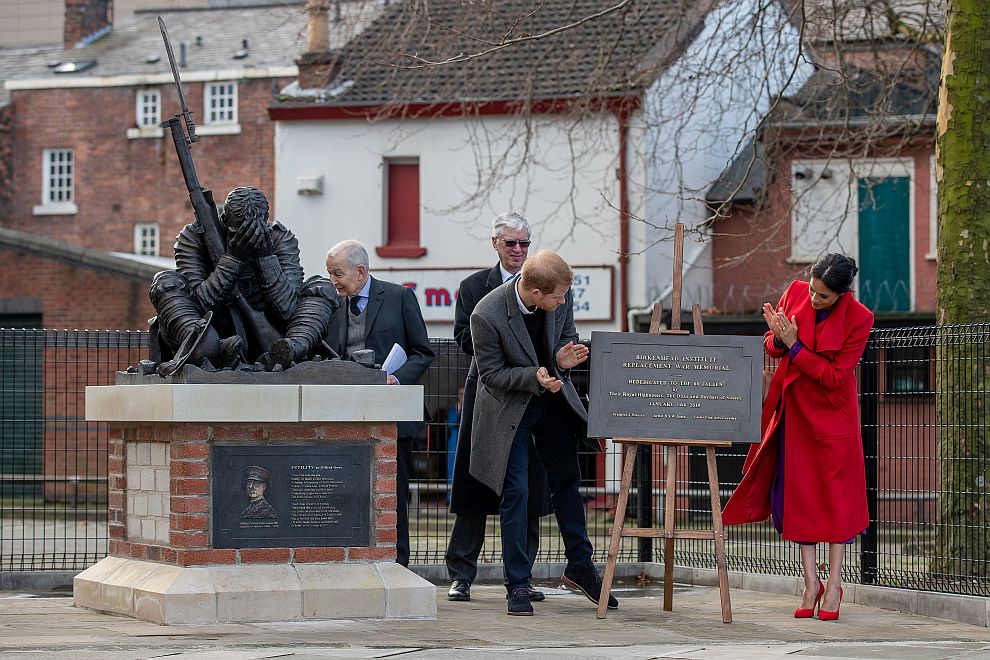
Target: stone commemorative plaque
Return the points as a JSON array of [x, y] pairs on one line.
[[675, 387], [291, 496]]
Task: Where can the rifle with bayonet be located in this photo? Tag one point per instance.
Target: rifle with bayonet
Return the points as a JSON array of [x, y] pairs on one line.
[[183, 132]]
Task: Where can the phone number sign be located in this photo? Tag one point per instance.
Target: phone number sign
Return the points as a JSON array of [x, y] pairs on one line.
[[436, 290]]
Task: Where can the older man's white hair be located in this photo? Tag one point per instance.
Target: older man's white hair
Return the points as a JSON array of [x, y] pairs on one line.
[[353, 253], [509, 220]]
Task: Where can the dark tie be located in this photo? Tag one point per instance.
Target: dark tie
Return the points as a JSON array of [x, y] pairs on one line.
[[355, 310]]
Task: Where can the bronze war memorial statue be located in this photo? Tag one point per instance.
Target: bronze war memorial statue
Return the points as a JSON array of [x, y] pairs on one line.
[[250, 470], [245, 306], [237, 305]]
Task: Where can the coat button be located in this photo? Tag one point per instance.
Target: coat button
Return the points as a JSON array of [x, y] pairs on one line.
[[512, 427]]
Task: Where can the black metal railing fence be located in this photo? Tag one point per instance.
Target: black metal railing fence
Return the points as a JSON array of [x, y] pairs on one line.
[[53, 464]]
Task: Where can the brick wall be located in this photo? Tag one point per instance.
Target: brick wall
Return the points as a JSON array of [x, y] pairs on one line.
[[74, 295], [189, 501], [6, 159], [752, 245], [121, 181]]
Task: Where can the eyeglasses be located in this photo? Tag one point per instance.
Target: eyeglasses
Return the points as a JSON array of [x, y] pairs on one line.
[[512, 244]]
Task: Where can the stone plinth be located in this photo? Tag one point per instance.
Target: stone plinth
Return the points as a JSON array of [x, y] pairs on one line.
[[163, 564]]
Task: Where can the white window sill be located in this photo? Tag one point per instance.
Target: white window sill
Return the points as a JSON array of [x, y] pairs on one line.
[[56, 208], [218, 129], [798, 259], [931, 257], [145, 132]]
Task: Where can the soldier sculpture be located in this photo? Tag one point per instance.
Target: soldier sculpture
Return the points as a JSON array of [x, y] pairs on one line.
[[260, 308], [237, 294]]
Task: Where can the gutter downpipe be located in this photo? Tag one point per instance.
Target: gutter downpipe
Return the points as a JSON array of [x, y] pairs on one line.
[[622, 116]]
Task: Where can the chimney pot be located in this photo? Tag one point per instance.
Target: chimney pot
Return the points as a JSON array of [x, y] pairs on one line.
[[317, 28]]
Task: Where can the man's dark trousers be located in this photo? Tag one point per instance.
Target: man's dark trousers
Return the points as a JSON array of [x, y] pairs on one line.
[[467, 538], [550, 421]]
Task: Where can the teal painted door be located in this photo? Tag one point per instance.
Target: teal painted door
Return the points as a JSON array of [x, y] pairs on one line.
[[21, 393], [885, 243]]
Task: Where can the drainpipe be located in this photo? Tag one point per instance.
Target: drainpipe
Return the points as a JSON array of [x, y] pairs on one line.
[[622, 116]]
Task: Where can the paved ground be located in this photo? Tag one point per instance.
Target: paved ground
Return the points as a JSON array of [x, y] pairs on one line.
[[564, 627]]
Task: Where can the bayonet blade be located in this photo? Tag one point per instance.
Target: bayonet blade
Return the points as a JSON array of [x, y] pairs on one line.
[[190, 126]]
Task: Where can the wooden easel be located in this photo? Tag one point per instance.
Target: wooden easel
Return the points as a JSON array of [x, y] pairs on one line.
[[668, 532]]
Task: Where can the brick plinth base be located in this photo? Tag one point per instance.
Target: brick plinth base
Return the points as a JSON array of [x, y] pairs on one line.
[[159, 509], [162, 566]]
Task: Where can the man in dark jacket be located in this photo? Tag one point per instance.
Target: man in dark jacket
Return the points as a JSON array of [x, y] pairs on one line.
[[377, 315], [471, 501]]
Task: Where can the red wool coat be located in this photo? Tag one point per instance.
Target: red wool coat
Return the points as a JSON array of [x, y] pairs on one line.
[[815, 393]]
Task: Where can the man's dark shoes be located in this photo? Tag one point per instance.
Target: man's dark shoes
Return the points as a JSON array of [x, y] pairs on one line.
[[519, 604], [534, 595], [590, 584], [459, 590]]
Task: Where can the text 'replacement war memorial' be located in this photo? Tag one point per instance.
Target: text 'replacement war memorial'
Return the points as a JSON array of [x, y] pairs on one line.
[[675, 387], [251, 470]]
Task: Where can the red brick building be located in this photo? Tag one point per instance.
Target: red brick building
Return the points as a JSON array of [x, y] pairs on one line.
[[83, 157], [845, 165], [90, 163]]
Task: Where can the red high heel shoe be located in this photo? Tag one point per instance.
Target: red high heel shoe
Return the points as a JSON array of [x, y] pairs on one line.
[[825, 615], [808, 612]]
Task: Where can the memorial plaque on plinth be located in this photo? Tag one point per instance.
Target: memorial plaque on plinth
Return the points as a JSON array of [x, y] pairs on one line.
[[679, 387], [291, 496]]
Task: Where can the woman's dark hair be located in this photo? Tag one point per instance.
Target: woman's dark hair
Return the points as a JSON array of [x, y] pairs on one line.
[[836, 271]]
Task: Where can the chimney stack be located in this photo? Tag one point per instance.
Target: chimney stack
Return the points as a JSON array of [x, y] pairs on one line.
[[318, 65], [85, 19], [317, 31]]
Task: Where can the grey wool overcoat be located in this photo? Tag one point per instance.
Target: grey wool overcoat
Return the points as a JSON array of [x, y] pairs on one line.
[[507, 365]]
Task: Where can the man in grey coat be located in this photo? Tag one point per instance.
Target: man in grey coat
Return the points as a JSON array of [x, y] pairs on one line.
[[472, 502], [524, 344]]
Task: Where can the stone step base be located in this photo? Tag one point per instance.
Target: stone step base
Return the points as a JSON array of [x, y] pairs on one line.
[[244, 593]]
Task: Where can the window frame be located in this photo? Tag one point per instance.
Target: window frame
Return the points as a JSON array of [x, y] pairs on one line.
[[922, 364], [405, 247], [932, 253], [208, 96], [65, 205], [140, 238], [142, 118]]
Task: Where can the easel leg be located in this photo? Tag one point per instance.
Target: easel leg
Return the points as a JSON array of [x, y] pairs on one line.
[[628, 463], [669, 502], [720, 562]]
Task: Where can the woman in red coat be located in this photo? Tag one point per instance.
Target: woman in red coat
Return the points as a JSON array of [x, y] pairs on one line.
[[808, 472]]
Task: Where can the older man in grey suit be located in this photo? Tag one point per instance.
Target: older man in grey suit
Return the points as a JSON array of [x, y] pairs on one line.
[[524, 343], [376, 314]]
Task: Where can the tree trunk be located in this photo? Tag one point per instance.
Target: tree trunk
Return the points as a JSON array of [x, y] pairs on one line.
[[963, 374]]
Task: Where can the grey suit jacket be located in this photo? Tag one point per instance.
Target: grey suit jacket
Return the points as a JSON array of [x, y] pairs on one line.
[[507, 365], [393, 316]]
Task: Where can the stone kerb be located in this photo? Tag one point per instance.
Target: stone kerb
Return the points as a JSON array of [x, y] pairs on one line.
[[162, 564]]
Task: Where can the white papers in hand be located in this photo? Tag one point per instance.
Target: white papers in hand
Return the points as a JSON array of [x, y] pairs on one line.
[[396, 358]]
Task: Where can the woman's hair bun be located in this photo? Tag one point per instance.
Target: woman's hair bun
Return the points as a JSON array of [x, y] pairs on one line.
[[836, 271]]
